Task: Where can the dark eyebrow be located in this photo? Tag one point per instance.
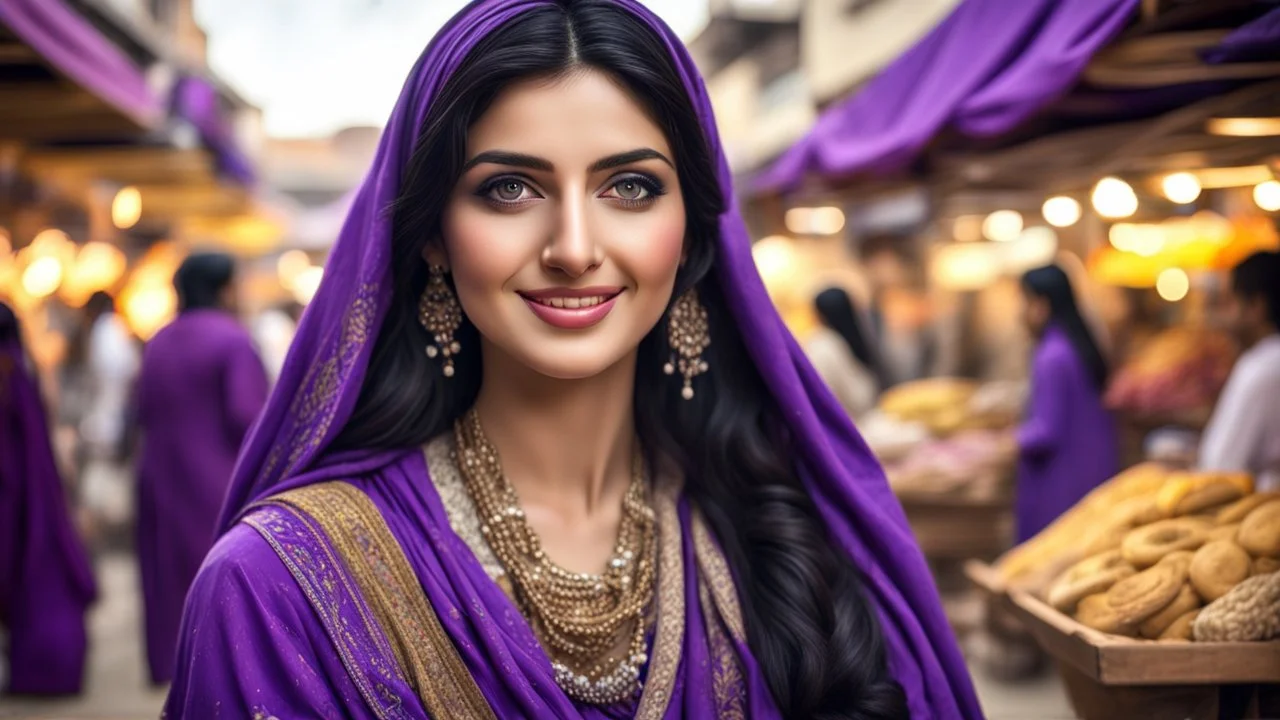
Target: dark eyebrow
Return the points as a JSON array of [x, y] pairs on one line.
[[499, 157], [629, 157]]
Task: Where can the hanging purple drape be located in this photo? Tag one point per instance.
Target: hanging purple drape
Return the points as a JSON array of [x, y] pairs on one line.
[[986, 68], [196, 101], [1258, 40], [72, 45]]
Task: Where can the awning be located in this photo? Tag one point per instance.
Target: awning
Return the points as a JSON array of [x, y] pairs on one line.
[[72, 45], [195, 100], [986, 68]]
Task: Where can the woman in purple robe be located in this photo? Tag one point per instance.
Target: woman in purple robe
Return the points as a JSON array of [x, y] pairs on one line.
[[542, 447], [1067, 442], [46, 580], [200, 387]]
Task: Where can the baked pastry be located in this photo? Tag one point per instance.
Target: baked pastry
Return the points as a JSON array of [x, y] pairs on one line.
[[1236, 511], [1145, 546], [1224, 532], [1138, 597], [1187, 493], [1095, 612], [1265, 566], [1180, 630], [1217, 567], [1260, 531], [1088, 577], [1186, 601], [1250, 612]]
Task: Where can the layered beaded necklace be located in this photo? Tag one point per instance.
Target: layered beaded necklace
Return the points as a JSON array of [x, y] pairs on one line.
[[578, 617]]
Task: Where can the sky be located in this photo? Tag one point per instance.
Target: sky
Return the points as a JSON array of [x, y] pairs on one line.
[[316, 66]]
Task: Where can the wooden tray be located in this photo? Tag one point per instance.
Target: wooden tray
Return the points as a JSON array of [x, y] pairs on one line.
[[1119, 661], [959, 527]]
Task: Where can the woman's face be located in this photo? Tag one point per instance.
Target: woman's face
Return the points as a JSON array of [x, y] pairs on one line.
[[1035, 313], [567, 226]]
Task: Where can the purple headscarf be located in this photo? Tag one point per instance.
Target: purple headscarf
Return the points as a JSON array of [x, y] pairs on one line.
[[322, 378]]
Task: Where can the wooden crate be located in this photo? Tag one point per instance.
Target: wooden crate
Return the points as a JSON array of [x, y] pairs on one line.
[[957, 527], [1116, 678]]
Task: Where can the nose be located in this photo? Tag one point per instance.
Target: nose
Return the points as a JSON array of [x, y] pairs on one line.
[[571, 249]]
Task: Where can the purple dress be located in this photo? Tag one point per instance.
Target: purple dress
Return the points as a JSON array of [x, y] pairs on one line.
[[1067, 443], [249, 641], [46, 580], [200, 387]]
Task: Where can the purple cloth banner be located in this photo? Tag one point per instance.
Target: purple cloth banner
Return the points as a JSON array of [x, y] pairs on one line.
[[196, 101], [986, 68], [76, 48]]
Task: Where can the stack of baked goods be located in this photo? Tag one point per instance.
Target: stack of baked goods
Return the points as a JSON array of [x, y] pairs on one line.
[[1179, 371], [946, 406], [1182, 556], [975, 463]]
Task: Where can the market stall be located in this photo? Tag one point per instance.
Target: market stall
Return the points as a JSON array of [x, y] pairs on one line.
[[1157, 596]]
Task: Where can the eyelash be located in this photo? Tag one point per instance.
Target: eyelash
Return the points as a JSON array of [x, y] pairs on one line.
[[651, 184]]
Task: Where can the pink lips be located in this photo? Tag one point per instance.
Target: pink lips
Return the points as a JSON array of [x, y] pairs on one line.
[[572, 309]]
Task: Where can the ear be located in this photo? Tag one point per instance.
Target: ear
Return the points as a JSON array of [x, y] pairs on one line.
[[433, 253]]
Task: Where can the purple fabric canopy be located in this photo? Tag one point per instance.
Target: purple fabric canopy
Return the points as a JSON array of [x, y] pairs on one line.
[[1253, 41], [325, 367], [986, 68], [71, 44], [196, 101]]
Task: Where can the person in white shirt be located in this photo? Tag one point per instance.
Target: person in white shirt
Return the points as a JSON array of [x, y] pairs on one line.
[[1244, 432]]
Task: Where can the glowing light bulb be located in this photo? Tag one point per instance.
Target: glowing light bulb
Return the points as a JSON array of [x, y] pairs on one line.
[[1061, 211], [1266, 195], [1114, 198], [1173, 284], [126, 208], [1002, 225], [1181, 187]]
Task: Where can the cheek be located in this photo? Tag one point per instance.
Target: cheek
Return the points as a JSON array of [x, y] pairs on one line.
[[654, 253], [485, 250]]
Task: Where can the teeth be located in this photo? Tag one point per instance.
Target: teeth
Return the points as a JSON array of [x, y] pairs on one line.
[[572, 303]]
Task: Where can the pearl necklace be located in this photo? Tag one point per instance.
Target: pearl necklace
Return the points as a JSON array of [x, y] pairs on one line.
[[579, 617]]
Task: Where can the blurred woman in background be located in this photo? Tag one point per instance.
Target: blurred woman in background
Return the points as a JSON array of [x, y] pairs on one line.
[[201, 386], [46, 580], [841, 353], [1067, 442]]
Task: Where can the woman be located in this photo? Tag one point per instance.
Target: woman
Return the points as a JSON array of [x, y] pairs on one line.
[[544, 283], [1067, 443], [840, 353], [46, 580], [200, 387]]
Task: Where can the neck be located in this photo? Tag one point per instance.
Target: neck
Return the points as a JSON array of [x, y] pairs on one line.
[[563, 442]]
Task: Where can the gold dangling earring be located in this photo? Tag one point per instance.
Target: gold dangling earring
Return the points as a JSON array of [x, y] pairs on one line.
[[689, 335], [441, 315]]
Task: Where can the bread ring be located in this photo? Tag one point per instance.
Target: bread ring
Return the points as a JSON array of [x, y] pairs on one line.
[[1095, 612], [1136, 511], [1088, 577], [1186, 601], [1236, 511], [1260, 531], [1179, 558], [1217, 567], [1187, 493], [1145, 546], [1180, 629], [1140, 596], [1225, 532], [1265, 566]]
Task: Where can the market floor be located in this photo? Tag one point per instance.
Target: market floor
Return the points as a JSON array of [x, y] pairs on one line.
[[116, 688]]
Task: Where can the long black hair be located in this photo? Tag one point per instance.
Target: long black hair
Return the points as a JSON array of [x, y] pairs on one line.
[[1051, 284], [809, 625], [836, 310]]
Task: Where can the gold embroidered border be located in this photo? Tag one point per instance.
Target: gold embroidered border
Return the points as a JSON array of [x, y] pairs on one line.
[[726, 672], [329, 590], [715, 569], [358, 532], [664, 656]]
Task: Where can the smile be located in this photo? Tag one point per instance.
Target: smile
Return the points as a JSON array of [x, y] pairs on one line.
[[571, 309]]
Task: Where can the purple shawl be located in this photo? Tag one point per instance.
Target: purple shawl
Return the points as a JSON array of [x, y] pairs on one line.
[[325, 367], [46, 581]]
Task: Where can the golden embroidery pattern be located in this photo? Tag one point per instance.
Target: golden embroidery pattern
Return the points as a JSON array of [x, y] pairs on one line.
[[356, 529], [664, 656], [333, 595], [442, 466], [726, 674], [315, 403], [712, 566]]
